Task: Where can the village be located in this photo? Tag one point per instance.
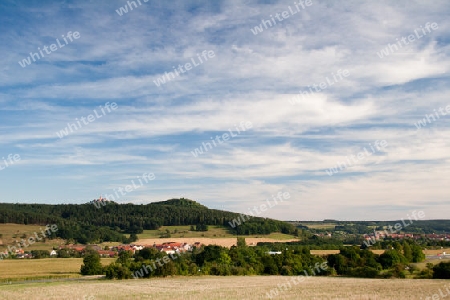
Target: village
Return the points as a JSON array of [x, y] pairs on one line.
[[78, 250]]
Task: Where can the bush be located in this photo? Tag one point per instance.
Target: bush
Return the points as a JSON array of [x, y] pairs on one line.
[[116, 270], [442, 271], [364, 272], [91, 264], [40, 253]]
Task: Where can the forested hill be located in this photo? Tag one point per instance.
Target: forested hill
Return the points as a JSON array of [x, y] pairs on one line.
[[109, 217]]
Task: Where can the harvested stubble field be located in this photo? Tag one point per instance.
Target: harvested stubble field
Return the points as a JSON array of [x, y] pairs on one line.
[[208, 287]]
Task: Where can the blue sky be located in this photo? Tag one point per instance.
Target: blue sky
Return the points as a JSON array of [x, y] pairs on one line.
[[250, 78]]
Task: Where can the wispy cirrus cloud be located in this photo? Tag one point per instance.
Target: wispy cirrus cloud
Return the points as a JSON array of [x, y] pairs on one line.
[[251, 78]]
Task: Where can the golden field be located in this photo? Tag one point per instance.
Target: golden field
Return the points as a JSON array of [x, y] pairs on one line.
[[26, 269], [208, 287]]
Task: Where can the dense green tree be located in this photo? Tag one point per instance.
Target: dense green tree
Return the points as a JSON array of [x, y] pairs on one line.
[[40, 253], [407, 251], [91, 264], [442, 271], [124, 258], [390, 258], [417, 253], [118, 271]]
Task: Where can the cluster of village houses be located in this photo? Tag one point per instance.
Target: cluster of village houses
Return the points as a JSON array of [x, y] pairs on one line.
[[167, 247], [385, 234], [400, 236]]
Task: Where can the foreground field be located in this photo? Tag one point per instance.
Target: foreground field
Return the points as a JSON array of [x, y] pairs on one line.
[[253, 287]]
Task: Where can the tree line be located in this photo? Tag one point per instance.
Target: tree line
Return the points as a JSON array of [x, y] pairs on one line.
[[292, 260], [207, 260]]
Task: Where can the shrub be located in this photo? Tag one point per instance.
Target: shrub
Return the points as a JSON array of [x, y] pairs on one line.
[[364, 272], [91, 264], [442, 271]]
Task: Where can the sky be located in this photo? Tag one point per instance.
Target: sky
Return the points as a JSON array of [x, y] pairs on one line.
[[229, 103]]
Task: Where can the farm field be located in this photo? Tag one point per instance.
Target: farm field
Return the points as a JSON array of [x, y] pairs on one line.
[[12, 232], [324, 252], [208, 287], [213, 232], [215, 235], [26, 269]]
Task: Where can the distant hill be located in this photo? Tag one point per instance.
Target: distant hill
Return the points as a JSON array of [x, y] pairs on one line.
[[180, 202], [98, 221]]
